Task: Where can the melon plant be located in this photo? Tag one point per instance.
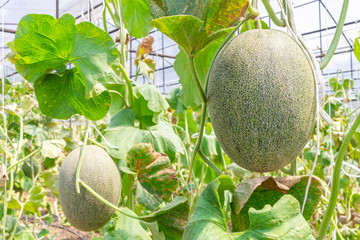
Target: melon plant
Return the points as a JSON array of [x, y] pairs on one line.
[[98, 170], [262, 99]]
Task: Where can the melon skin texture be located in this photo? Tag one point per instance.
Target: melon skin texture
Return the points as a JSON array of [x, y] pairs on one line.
[[262, 99], [98, 170]]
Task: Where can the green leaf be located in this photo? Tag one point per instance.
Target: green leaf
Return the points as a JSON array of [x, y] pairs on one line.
[[258, 192], [185, 30], [162, 8], [44, 44], [348, 83], [136, 14], [36, 199], [123, 133], [357, 49], [127, 228], [25, 235], [149, 105], [282, 221], [224, 14], [7, 85], [335, 84], [172, 218], [61, 96], [173, 100], [190, 96], [196, 23], [208, 219], [155, 174], [52, 148]]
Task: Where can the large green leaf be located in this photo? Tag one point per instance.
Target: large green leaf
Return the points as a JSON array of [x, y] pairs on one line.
[[282, 221], [61, 96], [149, 104], [172, 218], [44, 44], [194, 24], [258, 192], [123, 133], [357, 49], [127, 228], [185, 30], [155, 174], [136, 15]]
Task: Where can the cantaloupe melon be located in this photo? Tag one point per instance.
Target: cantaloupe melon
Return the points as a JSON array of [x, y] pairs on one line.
[[262, 99], [98, 170]]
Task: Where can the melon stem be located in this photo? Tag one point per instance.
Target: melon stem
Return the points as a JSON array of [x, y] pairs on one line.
[[82, 154], [324, 62], [107, 203], [278, 22]]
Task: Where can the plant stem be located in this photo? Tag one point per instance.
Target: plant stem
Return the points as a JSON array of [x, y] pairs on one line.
[[196, 79], [209, 163], [198, 141], [248, 25], [96, 143], [272, 15], [26, 157], [130, 194], [336, 179], [107, 203], [82, 154], [330, 52], [104, 18], [129, 93], [253, 11], [121, 96]]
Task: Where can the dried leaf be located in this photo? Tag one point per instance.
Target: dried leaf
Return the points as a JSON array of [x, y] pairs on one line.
[[3, 175], [144, 49]]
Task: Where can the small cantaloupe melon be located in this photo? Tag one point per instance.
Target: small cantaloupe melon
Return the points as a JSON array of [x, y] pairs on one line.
[[98, 170], [262, 99]]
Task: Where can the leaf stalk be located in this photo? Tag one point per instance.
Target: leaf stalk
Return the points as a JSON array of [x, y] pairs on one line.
[[82, 154], [330, 52]]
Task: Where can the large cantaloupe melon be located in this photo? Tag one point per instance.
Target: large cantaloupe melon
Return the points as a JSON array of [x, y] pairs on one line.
[[98, 170], [262, 99]]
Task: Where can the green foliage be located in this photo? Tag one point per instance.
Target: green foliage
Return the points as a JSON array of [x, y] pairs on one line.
[[149, 105], [258, 192], [126, 228], [357, 49], [172, 218], [123, 133], [70, 97], [59, 42], [193, 25], [282, 221], [190, 96], [156, 178], [136, 15]]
